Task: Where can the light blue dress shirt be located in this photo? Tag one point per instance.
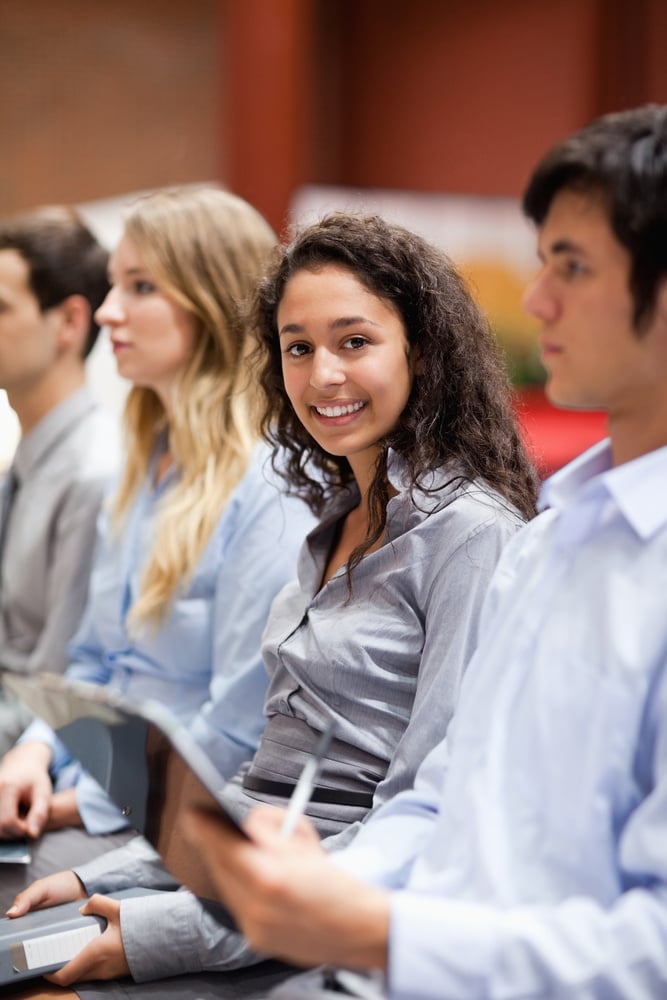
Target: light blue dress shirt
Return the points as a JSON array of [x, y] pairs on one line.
[[539, 867], [204, 661]]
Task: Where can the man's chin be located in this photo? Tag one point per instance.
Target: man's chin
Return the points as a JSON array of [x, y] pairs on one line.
[[564, 400]]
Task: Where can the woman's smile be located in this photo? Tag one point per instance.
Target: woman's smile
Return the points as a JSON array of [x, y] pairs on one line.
[[334, 411]]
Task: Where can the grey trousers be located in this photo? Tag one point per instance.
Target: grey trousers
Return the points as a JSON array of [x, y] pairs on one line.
[[247, 984], [328, 984], [267, 981], [254, 983]]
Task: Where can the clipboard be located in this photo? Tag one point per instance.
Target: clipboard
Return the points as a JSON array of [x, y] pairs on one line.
[[143, 757]]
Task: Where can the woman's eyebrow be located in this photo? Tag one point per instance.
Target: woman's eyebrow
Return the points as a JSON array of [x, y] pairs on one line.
[[342, 323]]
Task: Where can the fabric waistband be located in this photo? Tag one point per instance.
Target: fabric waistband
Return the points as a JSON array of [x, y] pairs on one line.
[[284, 789], [348, 774]]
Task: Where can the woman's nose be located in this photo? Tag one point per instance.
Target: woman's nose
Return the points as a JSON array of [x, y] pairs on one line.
[[326, 369], [110, 311]]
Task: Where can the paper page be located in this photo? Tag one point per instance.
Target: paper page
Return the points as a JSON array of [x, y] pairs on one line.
[[53, 949]]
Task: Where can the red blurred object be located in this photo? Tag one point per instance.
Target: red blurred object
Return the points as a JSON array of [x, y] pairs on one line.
[[554, 436]]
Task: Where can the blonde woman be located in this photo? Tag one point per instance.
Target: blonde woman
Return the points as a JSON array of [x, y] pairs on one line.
[[199, 538]]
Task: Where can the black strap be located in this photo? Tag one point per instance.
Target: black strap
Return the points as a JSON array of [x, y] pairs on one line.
[[334, 796]]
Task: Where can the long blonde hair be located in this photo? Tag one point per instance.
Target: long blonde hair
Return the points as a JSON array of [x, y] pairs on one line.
[[205, 248]]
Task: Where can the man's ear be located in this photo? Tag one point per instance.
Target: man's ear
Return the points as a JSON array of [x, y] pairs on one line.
[[661, 300], [74, 316]]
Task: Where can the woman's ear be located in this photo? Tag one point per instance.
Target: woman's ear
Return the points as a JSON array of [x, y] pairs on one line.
[[416, 361]]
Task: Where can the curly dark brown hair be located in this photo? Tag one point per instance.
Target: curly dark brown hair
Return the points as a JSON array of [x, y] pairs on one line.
[[459, 412]]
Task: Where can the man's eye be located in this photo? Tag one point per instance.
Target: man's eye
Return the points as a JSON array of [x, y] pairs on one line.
[[574, 268]]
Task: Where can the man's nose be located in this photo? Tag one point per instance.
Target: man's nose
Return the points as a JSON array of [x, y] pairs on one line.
[[538, 299]]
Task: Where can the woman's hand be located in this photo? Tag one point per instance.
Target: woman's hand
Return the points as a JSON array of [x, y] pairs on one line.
[[61, 887], [25, 790], [102, 958]]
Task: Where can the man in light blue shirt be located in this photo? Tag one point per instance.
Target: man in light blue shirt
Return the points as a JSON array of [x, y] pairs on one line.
[[530, 859]]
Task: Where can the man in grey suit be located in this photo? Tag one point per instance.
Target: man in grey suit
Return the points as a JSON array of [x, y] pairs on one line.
[[53, 276]]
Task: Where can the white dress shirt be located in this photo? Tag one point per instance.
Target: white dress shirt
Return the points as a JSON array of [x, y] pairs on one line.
[[530, 860]]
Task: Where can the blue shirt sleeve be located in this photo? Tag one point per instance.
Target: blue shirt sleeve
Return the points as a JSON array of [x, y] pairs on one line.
[[386, 846], [260, 559]]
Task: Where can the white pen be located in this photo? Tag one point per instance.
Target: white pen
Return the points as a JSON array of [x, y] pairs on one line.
[[304, 787]]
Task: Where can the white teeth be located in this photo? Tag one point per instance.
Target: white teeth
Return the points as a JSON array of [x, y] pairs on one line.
[[338, 411]]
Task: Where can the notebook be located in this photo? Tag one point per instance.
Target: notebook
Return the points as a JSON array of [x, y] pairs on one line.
[[44, 940]]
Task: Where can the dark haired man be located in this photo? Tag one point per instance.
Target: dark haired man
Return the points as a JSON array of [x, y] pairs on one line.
[[530, 860], [53, 275]]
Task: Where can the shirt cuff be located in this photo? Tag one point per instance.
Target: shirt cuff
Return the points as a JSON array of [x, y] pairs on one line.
[[367, 864], [98, 813], [170, 933], [133, 865], [439, 948], [39, 732], [158, 936]]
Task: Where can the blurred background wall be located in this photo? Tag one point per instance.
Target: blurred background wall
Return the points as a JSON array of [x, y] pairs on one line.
[[101, 98], [271, 97], [427, 95]]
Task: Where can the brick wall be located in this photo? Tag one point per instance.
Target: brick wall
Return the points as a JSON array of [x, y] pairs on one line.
[[101, 98]]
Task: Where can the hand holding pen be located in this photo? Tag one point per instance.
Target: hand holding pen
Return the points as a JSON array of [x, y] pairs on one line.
[[306, 783]]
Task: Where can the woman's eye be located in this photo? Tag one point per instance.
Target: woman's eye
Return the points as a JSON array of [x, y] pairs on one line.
[[297, 350], [355, 343], [143, 287]]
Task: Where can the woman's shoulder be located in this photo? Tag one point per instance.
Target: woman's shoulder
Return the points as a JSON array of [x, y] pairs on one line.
[[468, 511], [261, 475], [447, 495], [480, 503], [263, 488]]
